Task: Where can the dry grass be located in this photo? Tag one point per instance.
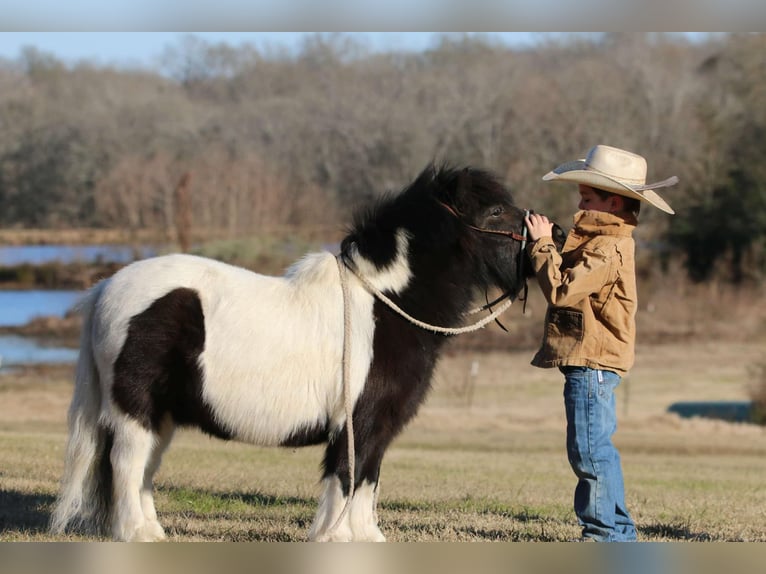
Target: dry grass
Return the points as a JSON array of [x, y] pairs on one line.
[[494, 469]]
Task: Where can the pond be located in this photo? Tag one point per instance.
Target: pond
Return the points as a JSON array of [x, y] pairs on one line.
[[16, 351], [19, 307], [40, 254]]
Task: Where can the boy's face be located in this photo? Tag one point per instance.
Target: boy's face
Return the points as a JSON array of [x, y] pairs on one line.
[[590, 200]]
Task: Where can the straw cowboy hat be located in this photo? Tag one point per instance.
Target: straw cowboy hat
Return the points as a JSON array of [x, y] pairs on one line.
[[615, 170]]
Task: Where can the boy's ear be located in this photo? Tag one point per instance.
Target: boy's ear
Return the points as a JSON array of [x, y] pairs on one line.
[[617, 203]]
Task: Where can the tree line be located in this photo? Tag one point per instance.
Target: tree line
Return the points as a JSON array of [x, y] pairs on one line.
[[251, 141]]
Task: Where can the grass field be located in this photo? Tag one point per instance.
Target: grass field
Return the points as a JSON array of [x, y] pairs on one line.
[[482, 461]]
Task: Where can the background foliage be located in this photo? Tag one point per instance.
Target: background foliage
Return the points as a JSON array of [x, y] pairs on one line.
[[275, 141]]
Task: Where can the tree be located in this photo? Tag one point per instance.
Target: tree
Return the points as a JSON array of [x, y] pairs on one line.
[[48, 177], [727, 221]]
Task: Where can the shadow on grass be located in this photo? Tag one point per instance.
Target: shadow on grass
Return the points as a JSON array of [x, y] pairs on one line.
[[24, 511], [503, 535], [678, 531], [236, 516], [206, 501], [30, 512]]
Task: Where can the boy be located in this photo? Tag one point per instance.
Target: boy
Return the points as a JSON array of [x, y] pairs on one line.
[[590, 323]]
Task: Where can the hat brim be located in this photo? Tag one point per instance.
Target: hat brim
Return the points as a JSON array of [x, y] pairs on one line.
[[576, 172]]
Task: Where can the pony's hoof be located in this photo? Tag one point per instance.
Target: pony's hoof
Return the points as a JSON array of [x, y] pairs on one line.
[[149, 532], [375, 537], [338, 536], [154, 531]]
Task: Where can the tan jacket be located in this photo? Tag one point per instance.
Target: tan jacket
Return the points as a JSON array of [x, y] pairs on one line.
[[591, 293]]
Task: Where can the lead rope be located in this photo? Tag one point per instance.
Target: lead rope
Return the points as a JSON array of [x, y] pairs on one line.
[[351, 452], [428, 327]]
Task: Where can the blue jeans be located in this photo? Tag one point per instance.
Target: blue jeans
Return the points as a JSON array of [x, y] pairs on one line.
[[599, 498]]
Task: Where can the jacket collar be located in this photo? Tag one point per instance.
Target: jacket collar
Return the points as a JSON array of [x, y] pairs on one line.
[[603, 223]]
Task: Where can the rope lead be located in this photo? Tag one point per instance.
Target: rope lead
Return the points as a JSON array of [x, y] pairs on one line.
[[351, 452]]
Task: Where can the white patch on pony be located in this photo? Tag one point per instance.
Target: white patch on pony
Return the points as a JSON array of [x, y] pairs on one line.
[[363, 514], [393, 277], [331, 504], [359, 524], [131, 451], [162, 440], [272, 362]]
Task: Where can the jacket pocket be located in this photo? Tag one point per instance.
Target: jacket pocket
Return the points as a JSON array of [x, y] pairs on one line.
[[563, 331]]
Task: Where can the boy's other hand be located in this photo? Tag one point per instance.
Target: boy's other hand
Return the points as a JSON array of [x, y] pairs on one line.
[[538, 226]]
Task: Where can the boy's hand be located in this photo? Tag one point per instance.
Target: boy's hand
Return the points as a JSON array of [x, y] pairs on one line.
[[539, 226]]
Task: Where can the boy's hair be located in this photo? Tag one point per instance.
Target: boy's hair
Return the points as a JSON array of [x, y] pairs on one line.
[[632, 205]]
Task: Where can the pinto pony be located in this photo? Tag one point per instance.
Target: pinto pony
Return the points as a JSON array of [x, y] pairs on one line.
[[180, 340]]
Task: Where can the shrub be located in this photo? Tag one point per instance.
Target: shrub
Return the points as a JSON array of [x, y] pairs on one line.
[[758, 394]]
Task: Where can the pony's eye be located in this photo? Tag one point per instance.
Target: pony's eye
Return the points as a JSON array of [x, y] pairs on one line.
[[497, 211]]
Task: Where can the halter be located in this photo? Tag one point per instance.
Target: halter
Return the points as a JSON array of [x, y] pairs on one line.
[[511, 234], [522, 238]]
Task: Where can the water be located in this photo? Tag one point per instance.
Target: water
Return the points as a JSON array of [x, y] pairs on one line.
[[19, 307], [41, 254], [17, 351]]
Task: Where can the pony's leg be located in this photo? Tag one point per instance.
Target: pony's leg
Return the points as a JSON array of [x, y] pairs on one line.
[[363, 515], [163, 438], [360, 521], [130, 455], [331, 504]]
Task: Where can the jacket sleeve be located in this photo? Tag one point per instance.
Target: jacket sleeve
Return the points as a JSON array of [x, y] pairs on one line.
[[569, 287]]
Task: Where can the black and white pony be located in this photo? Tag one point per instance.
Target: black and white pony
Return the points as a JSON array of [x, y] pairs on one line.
[[180, 340]]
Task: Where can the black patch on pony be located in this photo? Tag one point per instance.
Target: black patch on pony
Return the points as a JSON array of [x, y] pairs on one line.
[[157, 372], [308, 435], [103, 485]]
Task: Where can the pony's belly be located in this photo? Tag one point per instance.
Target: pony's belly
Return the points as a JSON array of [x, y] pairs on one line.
[[267, 400]]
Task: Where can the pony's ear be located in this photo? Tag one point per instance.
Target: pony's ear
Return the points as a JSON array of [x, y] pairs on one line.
[[453, 185], [464, 183], [425, 177]]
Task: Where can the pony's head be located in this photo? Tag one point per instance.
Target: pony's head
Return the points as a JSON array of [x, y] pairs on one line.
[[457, 225], [494, 232]]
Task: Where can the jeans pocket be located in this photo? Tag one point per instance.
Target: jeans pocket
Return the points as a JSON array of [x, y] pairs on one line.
[[607, 383]]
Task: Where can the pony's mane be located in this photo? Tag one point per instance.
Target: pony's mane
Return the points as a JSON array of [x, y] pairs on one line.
[[440, 182]]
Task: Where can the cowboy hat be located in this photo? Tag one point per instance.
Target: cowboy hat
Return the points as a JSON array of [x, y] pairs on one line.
[[614, 170]]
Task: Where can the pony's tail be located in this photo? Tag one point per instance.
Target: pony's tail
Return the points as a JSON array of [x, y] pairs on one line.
[[85, 494]]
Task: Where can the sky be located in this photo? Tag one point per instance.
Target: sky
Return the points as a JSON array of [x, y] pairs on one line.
[[376, 16], [267, 15], [144, 49], [135, 32]]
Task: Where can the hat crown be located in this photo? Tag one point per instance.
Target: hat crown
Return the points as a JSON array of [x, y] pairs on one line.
[[617, 163], [616, 171]]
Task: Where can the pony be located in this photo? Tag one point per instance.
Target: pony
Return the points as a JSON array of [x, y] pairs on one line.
[[180, 340]]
